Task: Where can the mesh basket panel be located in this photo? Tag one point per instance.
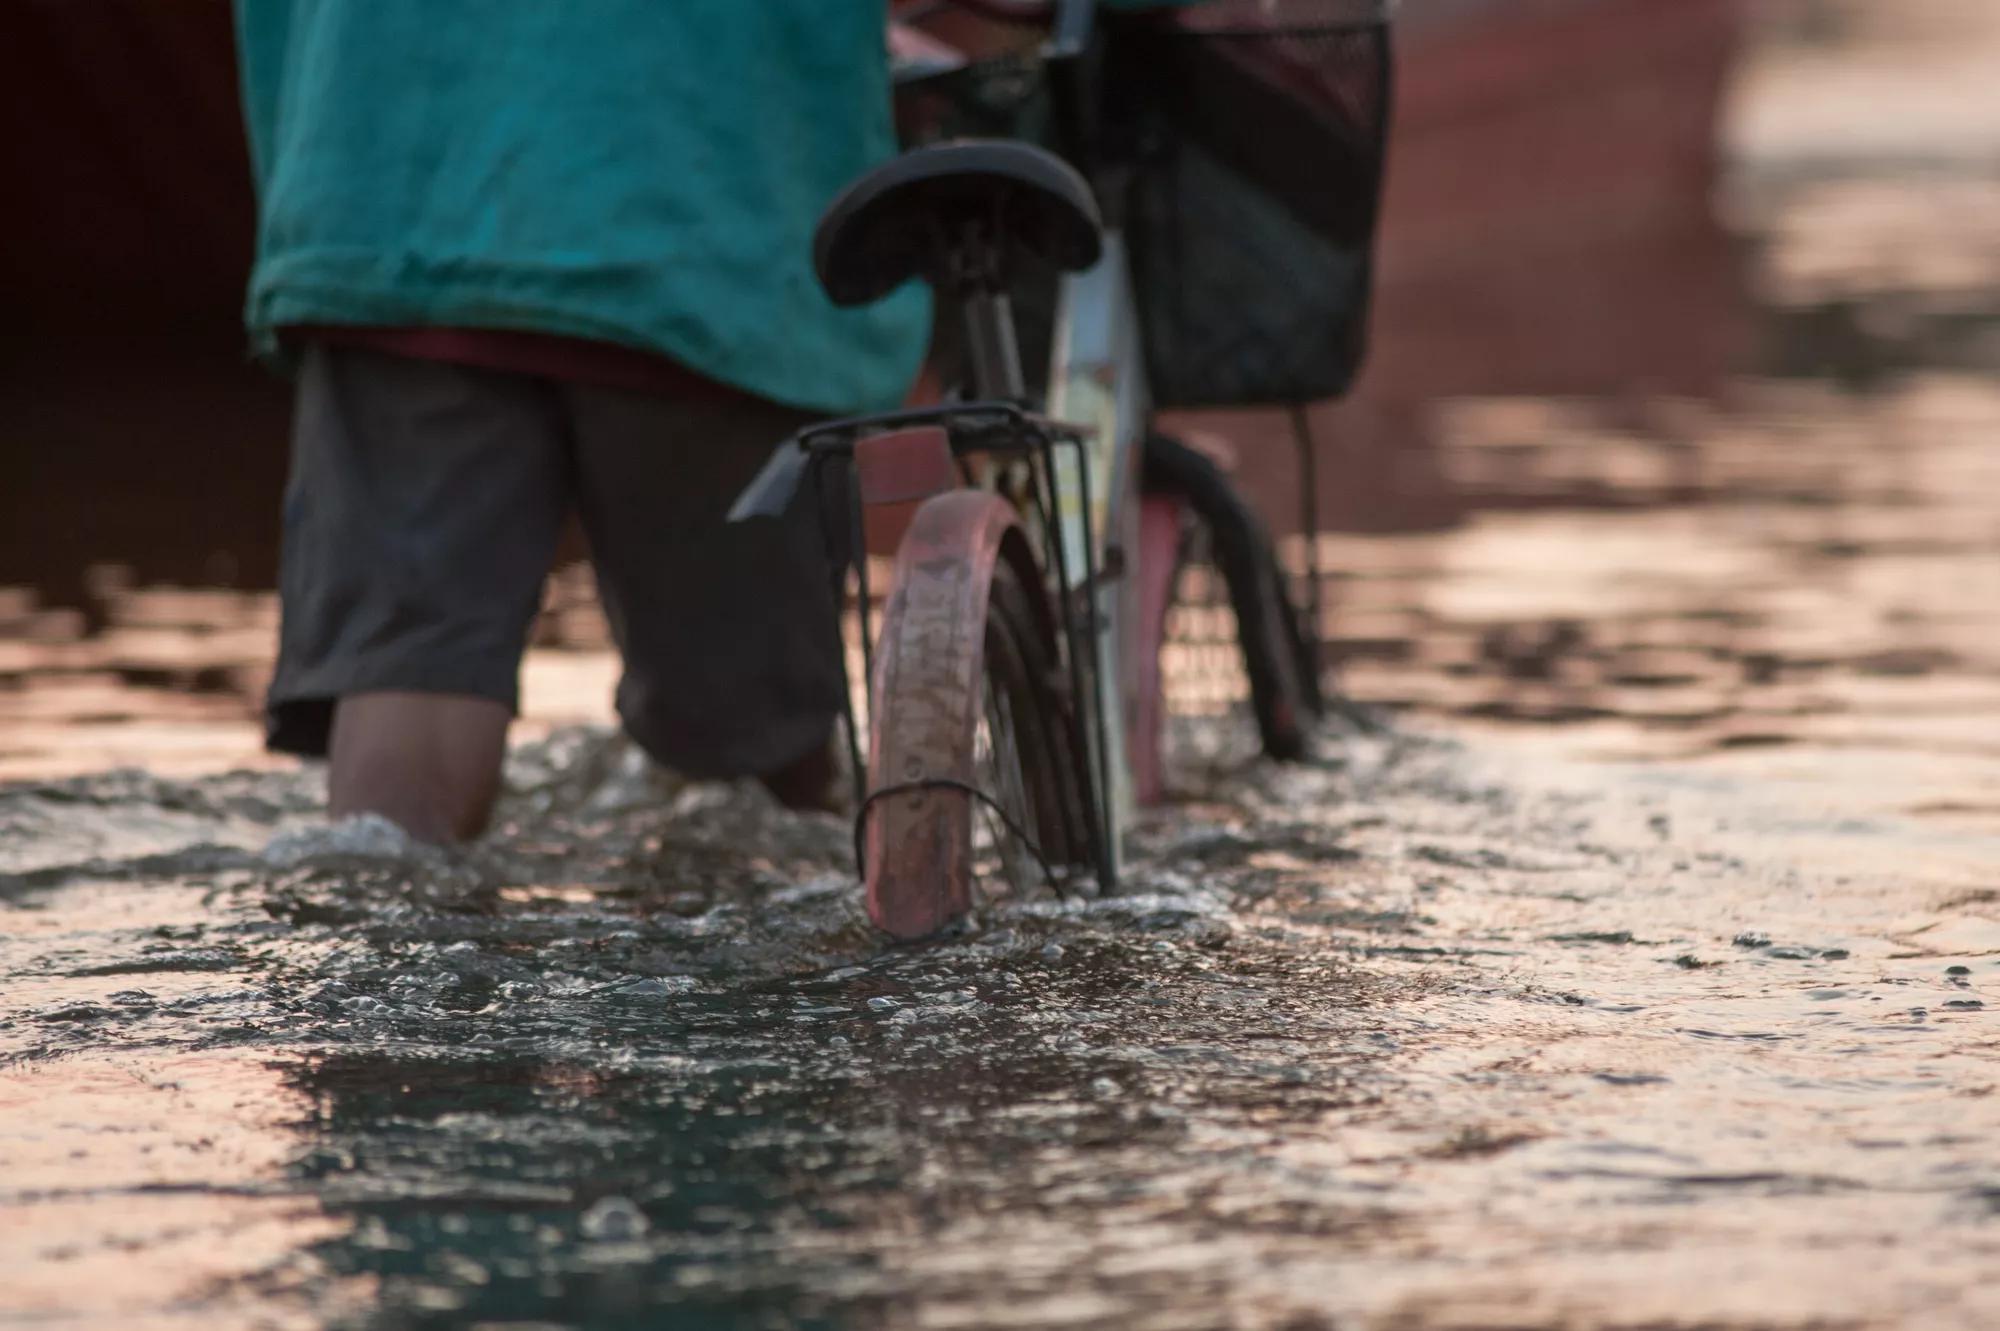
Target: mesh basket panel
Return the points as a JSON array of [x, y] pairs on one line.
[[1256, 131]]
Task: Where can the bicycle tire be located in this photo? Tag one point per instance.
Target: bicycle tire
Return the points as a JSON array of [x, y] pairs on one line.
[[964, 652], [1285, 694]]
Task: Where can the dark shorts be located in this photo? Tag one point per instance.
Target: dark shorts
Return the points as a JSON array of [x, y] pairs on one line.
[[423, 512]]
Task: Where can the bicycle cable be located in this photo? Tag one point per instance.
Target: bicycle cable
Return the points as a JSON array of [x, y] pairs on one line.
[[952, 783]]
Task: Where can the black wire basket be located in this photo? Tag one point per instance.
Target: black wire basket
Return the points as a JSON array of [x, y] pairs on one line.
[[1256, 132], [1245, 142]]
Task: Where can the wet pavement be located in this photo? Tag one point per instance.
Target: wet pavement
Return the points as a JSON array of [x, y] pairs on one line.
[[1641, 973]]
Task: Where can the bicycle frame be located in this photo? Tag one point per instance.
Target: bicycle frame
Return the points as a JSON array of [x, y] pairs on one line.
[[1097, 378], [1096, 382]]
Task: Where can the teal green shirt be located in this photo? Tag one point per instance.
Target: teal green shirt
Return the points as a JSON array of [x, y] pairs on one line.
[[643, 172]]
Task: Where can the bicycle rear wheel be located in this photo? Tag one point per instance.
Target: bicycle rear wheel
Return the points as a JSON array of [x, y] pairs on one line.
[[1284, 685], [976, 784]]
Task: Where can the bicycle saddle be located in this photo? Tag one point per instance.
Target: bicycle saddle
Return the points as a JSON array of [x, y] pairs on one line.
[[905, 218]]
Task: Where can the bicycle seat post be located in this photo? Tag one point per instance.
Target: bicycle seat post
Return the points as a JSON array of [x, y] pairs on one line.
[[978, 286]]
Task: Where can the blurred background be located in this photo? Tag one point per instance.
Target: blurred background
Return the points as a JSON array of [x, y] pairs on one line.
[[1676, 438]]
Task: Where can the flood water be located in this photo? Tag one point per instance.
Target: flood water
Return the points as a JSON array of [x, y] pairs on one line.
[[1416, 1037], [1635, 964]]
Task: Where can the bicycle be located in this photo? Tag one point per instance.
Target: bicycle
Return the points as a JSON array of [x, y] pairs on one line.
[[1039, 528]]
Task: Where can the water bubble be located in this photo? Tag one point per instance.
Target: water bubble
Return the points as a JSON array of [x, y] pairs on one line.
[[826, 885], [656, 986], [371, 1232], [365, 836], [613, 1219], [699, 798], [632, 784]]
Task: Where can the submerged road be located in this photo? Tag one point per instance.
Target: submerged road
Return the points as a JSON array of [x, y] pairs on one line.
[[1426, 1036]]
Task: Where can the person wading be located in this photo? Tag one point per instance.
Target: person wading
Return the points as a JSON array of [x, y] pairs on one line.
[[528, 259]]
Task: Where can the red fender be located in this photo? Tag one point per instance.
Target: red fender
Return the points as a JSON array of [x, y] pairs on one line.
[[929, 666]]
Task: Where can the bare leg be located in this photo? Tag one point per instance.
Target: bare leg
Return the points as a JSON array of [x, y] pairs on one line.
[[428, 762]]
